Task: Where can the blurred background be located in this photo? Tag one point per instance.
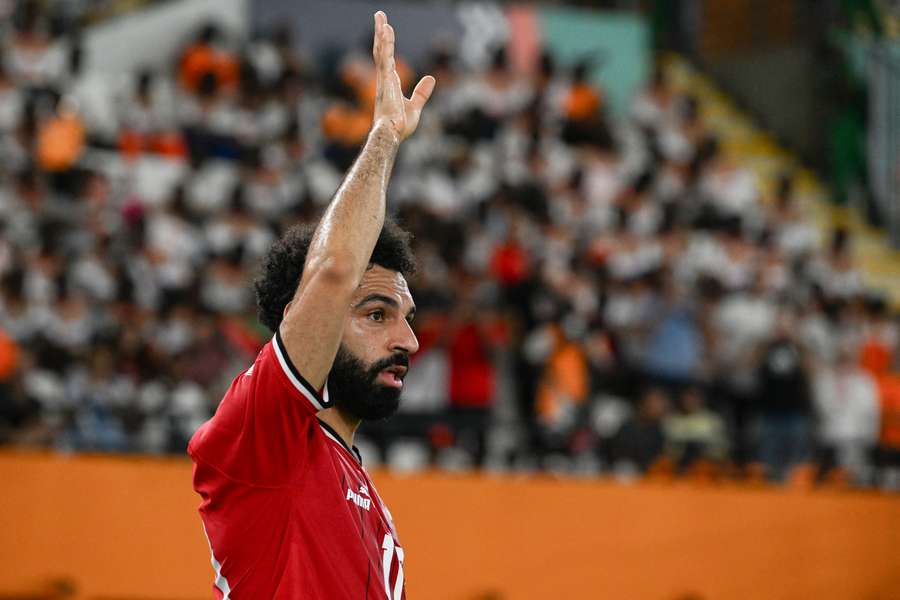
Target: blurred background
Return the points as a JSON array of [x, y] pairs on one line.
[[658, 286]]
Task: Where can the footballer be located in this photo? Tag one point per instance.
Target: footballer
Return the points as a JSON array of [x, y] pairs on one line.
[[288, 510]]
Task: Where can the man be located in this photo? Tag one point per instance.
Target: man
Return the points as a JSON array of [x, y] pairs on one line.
[[846, 404], [288, 510]]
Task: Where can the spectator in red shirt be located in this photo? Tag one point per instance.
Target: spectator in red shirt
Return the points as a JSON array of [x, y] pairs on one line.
[[472, 380]]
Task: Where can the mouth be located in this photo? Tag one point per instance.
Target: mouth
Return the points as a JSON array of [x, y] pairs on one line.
[[393, 376]]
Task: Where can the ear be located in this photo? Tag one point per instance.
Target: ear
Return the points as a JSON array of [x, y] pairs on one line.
[[287, 307]]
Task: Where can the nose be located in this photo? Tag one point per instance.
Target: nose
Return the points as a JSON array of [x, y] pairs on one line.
[[404, 340]]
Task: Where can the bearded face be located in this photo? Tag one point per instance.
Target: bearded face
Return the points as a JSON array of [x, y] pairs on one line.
[[369, 392]]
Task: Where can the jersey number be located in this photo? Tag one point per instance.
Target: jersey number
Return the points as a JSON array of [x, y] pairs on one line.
[[389, 549]]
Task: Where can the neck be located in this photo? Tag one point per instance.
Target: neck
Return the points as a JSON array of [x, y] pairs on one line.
[[343, 424]]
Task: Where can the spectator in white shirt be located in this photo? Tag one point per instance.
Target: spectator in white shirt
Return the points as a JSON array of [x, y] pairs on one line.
[[847, 408], [652, 106]]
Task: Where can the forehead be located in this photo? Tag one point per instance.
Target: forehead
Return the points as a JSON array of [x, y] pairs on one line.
[[378, 280]]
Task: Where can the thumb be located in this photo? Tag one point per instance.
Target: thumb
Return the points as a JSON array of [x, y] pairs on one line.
[[422, 92]]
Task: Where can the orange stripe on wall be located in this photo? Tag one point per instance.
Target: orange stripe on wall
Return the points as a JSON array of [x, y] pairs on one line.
[[127, 528]]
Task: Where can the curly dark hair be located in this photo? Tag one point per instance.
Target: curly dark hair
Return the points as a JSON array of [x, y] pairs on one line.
[[282, 267]]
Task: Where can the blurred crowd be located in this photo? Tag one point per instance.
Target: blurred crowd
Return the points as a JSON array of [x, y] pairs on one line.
[[596, 293]]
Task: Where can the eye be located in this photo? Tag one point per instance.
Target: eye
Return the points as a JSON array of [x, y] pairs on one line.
[[377, 315]]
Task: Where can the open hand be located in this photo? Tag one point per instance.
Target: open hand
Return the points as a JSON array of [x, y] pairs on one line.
[[391, 107]]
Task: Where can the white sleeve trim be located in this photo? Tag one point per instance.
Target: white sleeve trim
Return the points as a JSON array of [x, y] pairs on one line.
[[220, 582], [294, 376]]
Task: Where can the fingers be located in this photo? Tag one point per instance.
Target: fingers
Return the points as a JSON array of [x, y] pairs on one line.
[[380, 20], [383, 43], [387, 48], [422, 92]]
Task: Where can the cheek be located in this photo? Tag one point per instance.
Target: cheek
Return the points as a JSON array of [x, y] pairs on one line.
[[361, 338]]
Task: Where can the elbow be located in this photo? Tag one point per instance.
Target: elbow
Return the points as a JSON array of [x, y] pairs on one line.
[[334, 271]]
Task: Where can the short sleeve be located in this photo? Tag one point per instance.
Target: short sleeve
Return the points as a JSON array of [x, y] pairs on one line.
[[316, 401], [264, 424]]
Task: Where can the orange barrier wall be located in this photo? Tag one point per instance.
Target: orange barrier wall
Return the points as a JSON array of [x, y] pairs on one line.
[[127, 529]]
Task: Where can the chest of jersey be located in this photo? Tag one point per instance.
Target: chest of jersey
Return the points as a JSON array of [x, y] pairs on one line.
[[365, 523], [288, 510]]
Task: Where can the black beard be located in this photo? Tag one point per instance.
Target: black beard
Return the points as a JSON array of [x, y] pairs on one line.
[[355, 390]]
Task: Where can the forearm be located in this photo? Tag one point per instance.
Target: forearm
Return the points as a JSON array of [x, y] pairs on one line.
[[347, 233], [342, 245]]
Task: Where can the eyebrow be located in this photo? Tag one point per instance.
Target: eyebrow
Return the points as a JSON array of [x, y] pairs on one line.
[[377, 298], [385, 299]]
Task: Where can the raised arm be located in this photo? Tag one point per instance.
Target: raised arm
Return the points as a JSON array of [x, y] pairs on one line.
[[345, 237]]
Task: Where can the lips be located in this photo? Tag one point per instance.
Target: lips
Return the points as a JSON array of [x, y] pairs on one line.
[[393, 376], [398, 370]]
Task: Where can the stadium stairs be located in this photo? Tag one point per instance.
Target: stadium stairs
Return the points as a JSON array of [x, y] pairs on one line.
[[877, 260]]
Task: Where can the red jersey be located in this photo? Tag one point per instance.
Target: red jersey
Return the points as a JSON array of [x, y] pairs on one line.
[[288, 509]]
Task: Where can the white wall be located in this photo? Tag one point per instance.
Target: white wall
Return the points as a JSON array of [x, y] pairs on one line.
[[150, 37]]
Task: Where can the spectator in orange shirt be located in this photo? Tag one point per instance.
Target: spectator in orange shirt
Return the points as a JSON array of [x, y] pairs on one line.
[[887, 456], [360, 76], [877, 354], [345, 126], [584, 101], [61, 138], [207, 55], [881, 337], [562, 390]]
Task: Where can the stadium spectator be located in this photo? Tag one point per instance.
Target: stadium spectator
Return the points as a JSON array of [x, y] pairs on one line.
[[33, 60], [582, 106], [694, 431], [784, 400], [887, 455], [641, 440], [562, 390], [846, 402], [472, 385], [651, 107], [674, 345], [621, 252], [61, 139], [208, 56]]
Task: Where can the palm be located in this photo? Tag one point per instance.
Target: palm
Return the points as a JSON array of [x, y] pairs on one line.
[[391, 107]]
